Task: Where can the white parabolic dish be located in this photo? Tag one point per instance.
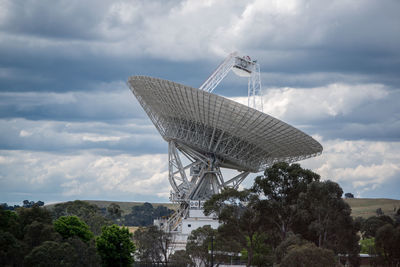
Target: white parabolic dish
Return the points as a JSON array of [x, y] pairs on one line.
[[238, 136]]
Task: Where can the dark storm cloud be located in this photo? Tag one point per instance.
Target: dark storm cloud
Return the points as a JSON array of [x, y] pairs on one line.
[[60, 19], [67, 117], [56, 71], [71, 46], [112, 104]]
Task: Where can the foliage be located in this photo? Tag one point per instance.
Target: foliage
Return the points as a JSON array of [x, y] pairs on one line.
[[371, 225], [28, 238], [114, 211], [281, 186], [199, 243], [30, 204], [72, 252], [397, 217], [290, 241], [9, 222], [348, 195], [328, 217], [368, 246], [387, 242], [240, 213], [153, 245], [89, 213], [115, 246], [145, 214], [181, 258], [28, 215], [379, 212], [287, 199], [25, 204], [308, 255], [263, 253], [11, 249], [51, 253], [85, 253], [37, 232], [23, 230], [69, 226]]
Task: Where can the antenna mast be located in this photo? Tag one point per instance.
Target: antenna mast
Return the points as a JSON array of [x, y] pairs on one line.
[[243, 67]]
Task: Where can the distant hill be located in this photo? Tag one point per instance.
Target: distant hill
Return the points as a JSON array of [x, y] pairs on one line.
[[363, 207], [366, 207]]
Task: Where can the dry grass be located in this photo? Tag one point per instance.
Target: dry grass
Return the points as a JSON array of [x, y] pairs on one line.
[[366, 207]]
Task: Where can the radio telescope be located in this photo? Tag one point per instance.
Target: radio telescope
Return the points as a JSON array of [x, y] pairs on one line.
[[206, 132]]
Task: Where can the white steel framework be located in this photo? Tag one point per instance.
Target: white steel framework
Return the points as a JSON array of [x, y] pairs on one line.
[[244, 67], [206, 132]]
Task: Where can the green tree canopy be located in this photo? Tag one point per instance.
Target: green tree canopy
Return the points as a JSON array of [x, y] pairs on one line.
[[309, 255], [11, 250], [199, 243], [51, 254], [371, 225], [89, 213], [153, 245], [27, 216], [37, 232], [280, 188], [240, 213], [144, 215], [9, 222], [328, 219], [387, 242], [181, 258], [115, 246], [368, 246], [290, 241], [114, 211], [69, 226]]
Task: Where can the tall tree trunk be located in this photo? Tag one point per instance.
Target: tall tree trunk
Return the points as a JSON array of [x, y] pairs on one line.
[[250, 252]]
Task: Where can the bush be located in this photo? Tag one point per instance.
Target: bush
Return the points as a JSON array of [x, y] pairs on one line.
[[115, 246], [69, 226]]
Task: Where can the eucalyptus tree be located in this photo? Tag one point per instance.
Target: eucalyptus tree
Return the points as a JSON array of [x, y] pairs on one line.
[[279, 189]]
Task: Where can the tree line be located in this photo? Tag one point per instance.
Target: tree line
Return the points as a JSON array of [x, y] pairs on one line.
[[33, 237], [289, 217]]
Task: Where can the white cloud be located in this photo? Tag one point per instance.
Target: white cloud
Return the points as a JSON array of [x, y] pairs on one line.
[[358, 166], [85, 175], [100, 138], [308, 104], [24, 133]]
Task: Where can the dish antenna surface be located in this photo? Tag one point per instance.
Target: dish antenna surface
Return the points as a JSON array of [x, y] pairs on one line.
[[206, 132]]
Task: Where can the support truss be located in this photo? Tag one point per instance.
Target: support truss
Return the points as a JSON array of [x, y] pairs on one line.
[[205, 174], [197, 180]]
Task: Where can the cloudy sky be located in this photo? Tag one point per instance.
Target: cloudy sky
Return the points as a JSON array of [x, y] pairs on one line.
[[71, 129]]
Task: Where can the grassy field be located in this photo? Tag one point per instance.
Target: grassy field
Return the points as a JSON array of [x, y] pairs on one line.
[[366, 207], [363, 207]]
